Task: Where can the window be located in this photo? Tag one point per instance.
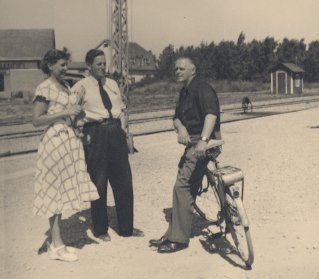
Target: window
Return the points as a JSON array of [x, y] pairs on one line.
[[132, 61]]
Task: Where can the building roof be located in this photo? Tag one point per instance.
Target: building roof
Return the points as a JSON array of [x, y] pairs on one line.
[[25, 44], [136, 49], [140, 59], [77, 65], [289, 66]]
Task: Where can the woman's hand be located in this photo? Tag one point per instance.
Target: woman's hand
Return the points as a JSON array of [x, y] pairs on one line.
[[80, 95], [73, 110]]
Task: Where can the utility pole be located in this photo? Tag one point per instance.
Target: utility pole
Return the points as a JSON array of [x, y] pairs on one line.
[[118, 38], [117, 44]]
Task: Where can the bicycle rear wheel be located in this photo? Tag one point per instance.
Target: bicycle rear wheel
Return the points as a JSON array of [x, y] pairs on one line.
[[208, 204], [235, 219]]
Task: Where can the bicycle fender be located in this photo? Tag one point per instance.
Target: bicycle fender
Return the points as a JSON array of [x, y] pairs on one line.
[[235, 192], [242, 212]]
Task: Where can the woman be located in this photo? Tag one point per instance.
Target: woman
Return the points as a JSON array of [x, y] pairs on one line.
[[61, 182]]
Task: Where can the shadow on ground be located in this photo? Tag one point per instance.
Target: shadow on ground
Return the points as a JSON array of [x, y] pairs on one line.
[[219, 244], [258, 113], [74, 230], [212, 242]]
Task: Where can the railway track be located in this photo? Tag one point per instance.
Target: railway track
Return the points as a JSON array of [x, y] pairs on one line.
[[150, 123], [137, 118], [260, 106], [25, 134]]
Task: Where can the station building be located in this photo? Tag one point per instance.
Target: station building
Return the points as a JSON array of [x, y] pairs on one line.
[[287, 78], [21, 52]]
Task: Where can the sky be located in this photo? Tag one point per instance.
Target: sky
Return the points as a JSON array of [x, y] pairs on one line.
[[154, 24]]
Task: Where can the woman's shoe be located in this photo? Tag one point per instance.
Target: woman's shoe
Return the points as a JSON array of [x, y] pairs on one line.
[[57, 254], [68, 248]]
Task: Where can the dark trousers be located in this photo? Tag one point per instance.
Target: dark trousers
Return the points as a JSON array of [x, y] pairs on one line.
[[106, 154]]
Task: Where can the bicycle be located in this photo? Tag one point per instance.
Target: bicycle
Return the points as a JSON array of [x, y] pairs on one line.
[[220, 202], [246, 103]]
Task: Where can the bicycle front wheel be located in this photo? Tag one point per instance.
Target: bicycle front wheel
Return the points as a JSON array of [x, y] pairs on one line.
[[239, 229], [208, 204]]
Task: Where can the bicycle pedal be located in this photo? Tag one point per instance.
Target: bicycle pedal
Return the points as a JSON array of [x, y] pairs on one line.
[[234, 215]]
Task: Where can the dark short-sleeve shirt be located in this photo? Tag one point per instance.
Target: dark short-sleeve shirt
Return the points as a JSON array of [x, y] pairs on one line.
[[196, 101]]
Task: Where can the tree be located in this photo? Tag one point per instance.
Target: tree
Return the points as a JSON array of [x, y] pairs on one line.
[[165, 63], [311, 63], [243, 61], [242, 57], [241, 39], [269, 53], [226, 60], [292, 51]]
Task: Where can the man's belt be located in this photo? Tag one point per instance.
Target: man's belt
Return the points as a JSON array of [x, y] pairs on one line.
[[106, 121]]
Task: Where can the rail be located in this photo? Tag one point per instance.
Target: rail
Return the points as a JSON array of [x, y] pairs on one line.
[[146, 122]]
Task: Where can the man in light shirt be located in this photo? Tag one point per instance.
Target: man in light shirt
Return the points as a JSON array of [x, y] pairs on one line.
[[105, 146]]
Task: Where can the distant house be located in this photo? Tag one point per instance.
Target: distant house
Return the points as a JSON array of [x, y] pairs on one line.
[[287, 78], [21, 52], [142, 63]]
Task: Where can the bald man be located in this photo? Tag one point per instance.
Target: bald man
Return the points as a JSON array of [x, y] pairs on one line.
[[196, 121]]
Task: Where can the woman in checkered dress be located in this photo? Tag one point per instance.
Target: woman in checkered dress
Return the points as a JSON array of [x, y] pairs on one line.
[[61, 182]]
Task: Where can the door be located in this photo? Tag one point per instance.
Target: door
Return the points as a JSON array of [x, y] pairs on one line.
[[281, 79], [1, 82]]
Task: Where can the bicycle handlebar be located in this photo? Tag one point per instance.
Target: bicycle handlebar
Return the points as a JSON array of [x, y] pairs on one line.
[[214, 143]]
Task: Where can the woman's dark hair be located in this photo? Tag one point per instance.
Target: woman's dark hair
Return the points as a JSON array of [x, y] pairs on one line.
[[91, 54], [52, 56]]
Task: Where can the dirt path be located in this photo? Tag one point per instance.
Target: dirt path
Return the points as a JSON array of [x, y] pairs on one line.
[[279, 156]]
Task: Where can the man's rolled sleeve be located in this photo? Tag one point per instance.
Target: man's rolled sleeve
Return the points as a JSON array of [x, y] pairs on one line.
[[208, 101]]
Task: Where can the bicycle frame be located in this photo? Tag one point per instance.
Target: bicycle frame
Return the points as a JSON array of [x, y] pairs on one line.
[[226, 186]]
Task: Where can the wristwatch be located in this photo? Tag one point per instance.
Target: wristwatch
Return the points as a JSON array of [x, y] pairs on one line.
[[204, 139]]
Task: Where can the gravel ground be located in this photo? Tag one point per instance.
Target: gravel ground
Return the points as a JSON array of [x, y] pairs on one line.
[[279, 156]]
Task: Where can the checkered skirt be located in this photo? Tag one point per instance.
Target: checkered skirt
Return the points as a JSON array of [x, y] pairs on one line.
[[62, 181]]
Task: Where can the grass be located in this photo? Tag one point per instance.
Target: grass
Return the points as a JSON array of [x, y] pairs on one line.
[[161, 95]]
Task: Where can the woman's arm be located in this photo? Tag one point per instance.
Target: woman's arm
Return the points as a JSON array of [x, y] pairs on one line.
[[40, 116]]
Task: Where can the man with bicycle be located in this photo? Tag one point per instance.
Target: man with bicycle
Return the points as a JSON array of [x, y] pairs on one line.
[[196, 121]]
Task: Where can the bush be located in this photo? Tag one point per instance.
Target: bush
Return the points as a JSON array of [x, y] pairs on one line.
[[17, 94], [27, 97], [239, 86], [146, 80]]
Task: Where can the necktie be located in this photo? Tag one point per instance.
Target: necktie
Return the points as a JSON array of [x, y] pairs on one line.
[[105, 99]]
